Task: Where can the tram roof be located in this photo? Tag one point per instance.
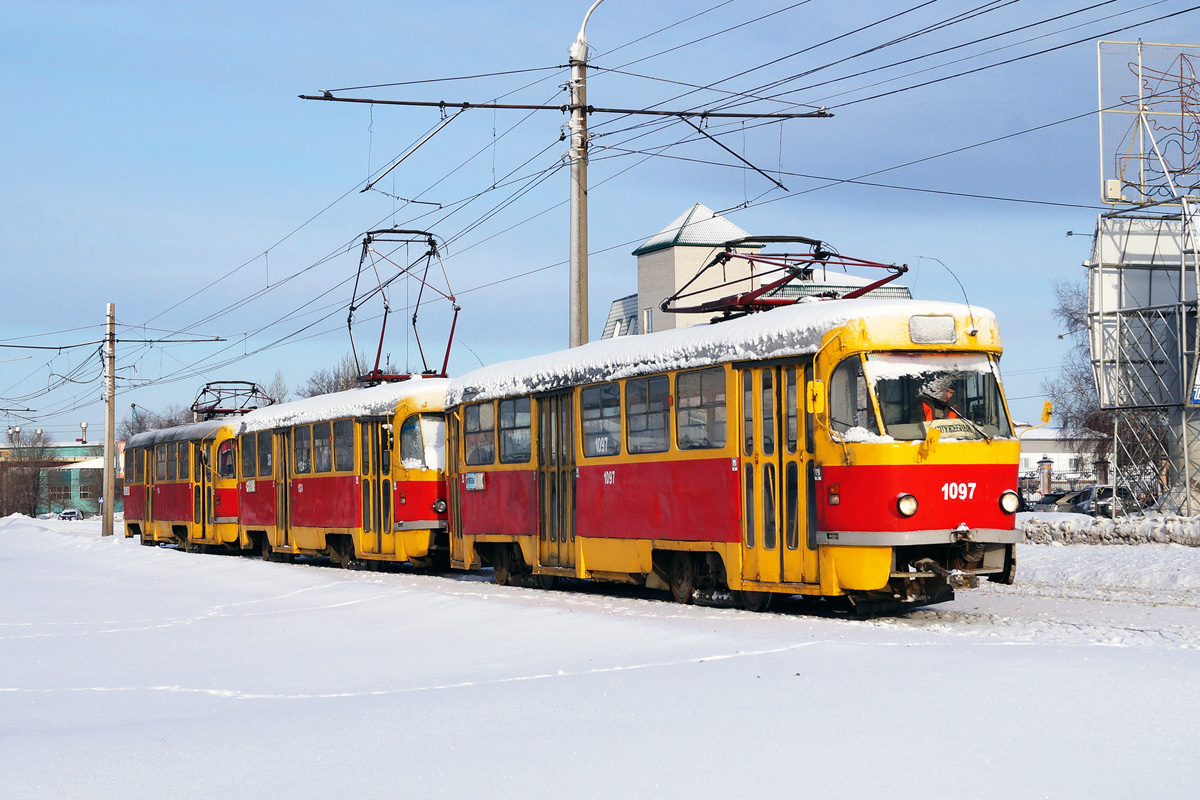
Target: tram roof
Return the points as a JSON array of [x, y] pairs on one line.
[[787, 331], [191, 432], [366, 402]]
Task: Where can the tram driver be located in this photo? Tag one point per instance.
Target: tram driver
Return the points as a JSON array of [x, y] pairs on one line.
[[935, 401]]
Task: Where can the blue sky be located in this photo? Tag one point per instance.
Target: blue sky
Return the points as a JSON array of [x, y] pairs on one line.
[[151, 149]]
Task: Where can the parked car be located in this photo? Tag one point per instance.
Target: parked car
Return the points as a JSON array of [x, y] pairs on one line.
[[1098, 501], [1058, 501], [70, 513]]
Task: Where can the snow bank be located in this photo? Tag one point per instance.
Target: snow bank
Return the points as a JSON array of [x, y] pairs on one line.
[[788, 331], [1042, 527]]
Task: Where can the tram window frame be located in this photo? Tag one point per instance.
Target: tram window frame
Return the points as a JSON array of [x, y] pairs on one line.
[[172, 461], [479, 439], [849, 378], [302, 435], [248, 455], [322, 444], [648, 414], [227, 468], [700, 405], [516, 438], [160, 462], [343, 445], [600, 419], [266, 454]]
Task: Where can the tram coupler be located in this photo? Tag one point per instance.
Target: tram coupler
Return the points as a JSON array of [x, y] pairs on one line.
[[955, 578]]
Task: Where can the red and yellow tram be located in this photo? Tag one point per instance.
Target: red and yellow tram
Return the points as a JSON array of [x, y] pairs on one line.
[[807, 450]]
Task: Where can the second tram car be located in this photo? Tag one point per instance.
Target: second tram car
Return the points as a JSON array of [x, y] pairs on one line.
[[854, 448]]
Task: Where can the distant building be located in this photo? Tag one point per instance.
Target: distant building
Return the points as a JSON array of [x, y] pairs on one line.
[[672, 257], [1071, 466], [72, 474]]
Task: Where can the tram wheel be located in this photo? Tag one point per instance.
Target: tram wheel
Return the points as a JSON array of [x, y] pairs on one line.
[[683, 577], [547, 582], [502, 564], [266, 551], [753, 601]]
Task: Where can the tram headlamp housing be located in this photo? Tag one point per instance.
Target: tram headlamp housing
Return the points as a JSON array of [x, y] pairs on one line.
[[1010, 503], [906, 505], [439, 506]]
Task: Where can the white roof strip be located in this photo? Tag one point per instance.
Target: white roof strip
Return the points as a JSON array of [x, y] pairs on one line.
[[367, 402], [788, 331]]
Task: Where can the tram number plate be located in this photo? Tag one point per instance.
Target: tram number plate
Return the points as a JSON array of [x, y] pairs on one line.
[[958, 491]]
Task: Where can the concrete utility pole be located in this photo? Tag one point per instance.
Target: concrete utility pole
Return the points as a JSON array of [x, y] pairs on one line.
[[579, 212], [110, 420]]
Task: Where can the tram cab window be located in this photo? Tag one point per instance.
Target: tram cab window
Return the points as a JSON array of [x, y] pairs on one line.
[[248, 455], [343, 445], [479, 425], [264, 454], [226, 458], [700, 409], [958, 393], [850, 407], [422, 441], [600, 418], [322, 447], [303, 448], [516, 439], [647, 414]]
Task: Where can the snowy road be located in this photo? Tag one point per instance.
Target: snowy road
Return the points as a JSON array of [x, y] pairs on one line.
[[146, 672]]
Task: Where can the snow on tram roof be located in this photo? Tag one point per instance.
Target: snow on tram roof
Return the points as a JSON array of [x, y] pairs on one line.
[[179, 433], [367, 402], [786, 331]]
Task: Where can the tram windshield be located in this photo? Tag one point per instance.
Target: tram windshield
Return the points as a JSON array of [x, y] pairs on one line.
[[423, 441], [957, 393]]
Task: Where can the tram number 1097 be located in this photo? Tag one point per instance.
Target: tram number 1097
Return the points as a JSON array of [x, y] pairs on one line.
[[958, 491]]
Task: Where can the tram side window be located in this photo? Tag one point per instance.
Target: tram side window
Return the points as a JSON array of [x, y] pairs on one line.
[[343, 445], [479, 425], [850, 398], [516, 440], [700, 409], [601, 419], [226, 458], [264, 454], [184, 448], [172, 462], [248, 455], [160, 462], [322, 448], [139, 464], [647, 402], [303, 448], [130, 476]]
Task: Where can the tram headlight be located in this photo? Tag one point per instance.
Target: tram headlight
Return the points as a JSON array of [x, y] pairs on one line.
[[906, 504], [1009, 502], [439, 506]]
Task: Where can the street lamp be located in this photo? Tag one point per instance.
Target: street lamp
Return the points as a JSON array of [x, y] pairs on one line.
[[578, 158]]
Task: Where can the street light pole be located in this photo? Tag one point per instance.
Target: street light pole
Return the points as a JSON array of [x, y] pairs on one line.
[[578, 157], [110, 421]]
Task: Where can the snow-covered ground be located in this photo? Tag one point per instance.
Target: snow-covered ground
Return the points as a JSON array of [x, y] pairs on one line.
[[134, 672]]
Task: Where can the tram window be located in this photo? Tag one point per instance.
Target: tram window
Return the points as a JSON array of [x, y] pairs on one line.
[[130, 477], [749, 505], [249, 454], [264, 454], [768, 505], [791, 509], [600, 415], [365, 447], [303, 447], [747, 412], [700, 409], [172, 462], [139, 464], [791, 428], [808, 418], [226, 458], [768, 412], [343, 445], [198, 451], [957, 392], [850, 398], [322, 448], [412, 444], [160, 462], [183, 451], [647, 401], [516, 439], [479, 425]]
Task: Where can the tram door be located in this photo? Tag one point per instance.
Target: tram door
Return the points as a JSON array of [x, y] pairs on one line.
[[556, 480], [283, 488], [775, 476], [376, 465], [202, 488]]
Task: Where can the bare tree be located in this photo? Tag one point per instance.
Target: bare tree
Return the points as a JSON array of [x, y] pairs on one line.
[[277, 389], [339, 378], [1073, 390], [22, 471], [143, 419]]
